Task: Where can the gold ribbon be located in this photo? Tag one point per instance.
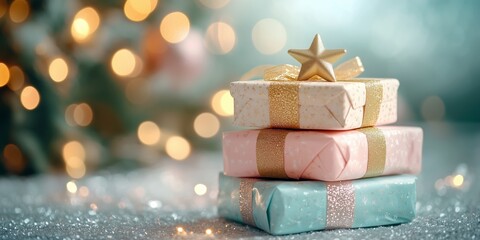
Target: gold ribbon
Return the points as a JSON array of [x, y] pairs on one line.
[[246, 200], [270, 152], [377, 151], [340, 204]]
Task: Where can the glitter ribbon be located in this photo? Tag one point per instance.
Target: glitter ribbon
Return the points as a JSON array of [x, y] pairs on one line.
[[340, 204], [283, 93], [270, 153], [245, 200], [377, 151]]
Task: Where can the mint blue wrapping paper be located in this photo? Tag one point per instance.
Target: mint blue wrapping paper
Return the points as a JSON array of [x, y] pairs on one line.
[[286, 207]]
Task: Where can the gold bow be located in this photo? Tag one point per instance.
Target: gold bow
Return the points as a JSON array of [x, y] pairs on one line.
[[286, 72]]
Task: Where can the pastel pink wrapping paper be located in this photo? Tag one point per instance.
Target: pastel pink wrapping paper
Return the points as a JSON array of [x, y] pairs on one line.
[[326, 155]]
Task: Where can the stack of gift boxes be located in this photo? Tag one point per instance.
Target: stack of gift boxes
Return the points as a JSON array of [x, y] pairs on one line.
[[320, 158]]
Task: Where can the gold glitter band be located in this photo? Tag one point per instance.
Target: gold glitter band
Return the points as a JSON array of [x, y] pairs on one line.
[[340, 204], [374, 94], [377, 151], [270, 151], [284, 104], [245, 200]]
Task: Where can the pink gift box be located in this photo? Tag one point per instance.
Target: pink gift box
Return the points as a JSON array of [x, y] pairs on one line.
[[323, 155]]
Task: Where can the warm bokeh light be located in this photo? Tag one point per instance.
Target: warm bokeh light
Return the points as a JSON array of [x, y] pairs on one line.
[[30, 98], [175, 27], [3, 7], [80, 29], [13, 159], [71, 187], [433, 109], [76, 171], [220, 38], [180, 230], [177, 148], [82, 114], [148, 133], [457, 181], [208, 231], [83, 191], [17, 78], [138, 10], [269, 36], [206, 125], [19, 10], [58, 70], [123, 62], [4, 74], [84, 24], [73, 149], [74, 156], [69, 114], [214, 4], [200, 189], [222, 103]]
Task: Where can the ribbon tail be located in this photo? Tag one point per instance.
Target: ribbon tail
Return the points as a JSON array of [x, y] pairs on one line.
[[349, 69], [255, 72]]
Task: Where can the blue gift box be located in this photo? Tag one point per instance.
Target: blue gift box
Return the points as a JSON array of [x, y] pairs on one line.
[[285, 207]]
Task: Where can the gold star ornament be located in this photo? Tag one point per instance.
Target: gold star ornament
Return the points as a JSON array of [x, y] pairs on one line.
[[317, 61]]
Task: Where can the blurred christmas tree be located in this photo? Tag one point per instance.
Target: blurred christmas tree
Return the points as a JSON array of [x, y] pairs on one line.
[[92, 84]]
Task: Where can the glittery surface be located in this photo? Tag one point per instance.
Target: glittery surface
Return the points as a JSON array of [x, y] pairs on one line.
[[340, 204], [245, 200], [157, 202], [377, 151], [284, 104], [270, 150]]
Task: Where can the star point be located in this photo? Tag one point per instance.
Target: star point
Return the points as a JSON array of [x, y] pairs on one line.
[[317, 60]]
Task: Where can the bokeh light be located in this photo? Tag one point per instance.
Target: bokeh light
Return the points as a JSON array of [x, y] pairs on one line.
[[139, 10], [74, 156], [222, 103], [206, 125], [269, 36], [433, 109], [220, 38], [19, 10], [3, 7], [124, 62], [17, 78], [177, 148], [457, 181], [58, 70], [13, 159], [82, 114], [4, 74], [83, 191], [200, 189], [84, 24], [148, 133], [30, 98], [175, 27], [208, 231], [214, 4], [71, 187]]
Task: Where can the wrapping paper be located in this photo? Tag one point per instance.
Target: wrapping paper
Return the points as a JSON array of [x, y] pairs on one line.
[[323, 155], [340, 105], [285, 207]]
